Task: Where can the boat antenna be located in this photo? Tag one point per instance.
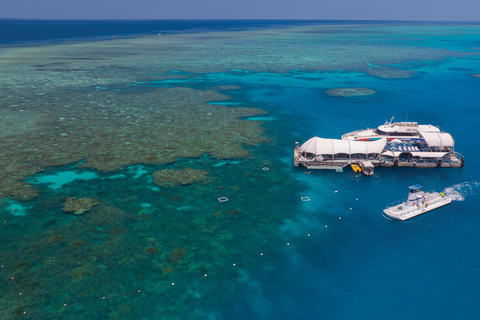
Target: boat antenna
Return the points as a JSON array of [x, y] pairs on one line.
[[391, 119]]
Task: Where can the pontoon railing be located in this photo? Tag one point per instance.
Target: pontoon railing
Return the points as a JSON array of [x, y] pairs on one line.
[[403, 201]]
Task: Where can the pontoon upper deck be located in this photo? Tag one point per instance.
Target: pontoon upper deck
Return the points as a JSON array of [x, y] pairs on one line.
[[406, 131]]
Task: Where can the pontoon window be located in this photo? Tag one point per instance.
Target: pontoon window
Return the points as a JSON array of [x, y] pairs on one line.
[[395, 133]]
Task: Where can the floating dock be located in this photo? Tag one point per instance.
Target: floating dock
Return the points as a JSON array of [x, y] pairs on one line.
[[336, 154]]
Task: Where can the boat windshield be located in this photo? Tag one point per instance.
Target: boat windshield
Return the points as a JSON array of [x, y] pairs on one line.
[[415, 188]]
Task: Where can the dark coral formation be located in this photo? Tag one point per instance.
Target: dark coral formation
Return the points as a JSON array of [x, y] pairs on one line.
[[177, 254], [78, 206], [350, 92], [172, 177], [152, 249]]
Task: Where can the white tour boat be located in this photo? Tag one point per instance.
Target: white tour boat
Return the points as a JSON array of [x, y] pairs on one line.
[[418, 202], [404, 131]]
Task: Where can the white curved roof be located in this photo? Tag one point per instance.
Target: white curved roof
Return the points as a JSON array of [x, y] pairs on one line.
[[438, 139], [427, 128], [318, 145]]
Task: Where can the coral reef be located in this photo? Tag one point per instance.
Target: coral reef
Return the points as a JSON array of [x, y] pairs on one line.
[[152, 249], [177, 254], [172, 177], [157, 128], [477, 75], [114, 250], [391, 73], [226, 87], [350, 92], [78, 206], [94, 96]]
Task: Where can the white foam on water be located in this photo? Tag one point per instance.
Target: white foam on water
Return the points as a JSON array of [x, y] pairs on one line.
[[458, 192]]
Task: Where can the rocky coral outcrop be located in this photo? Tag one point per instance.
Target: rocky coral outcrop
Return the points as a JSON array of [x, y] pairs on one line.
[[78, 206], [172, 177], [350, 92], [177, 254]]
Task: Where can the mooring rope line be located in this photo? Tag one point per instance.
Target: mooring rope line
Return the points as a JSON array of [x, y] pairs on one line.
[[259, 254], [20, 293], [6, 219], [237, 264], [173, 284], [310, 113], [315, 115]]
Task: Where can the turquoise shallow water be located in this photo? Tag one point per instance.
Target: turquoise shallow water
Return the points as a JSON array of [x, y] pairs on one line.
[[333, 257]]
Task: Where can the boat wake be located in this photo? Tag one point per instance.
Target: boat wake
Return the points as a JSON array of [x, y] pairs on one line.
[[458, 192]]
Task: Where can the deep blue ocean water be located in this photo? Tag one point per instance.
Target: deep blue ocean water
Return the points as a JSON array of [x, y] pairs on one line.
[[18, 31], [14, 31], [362, 266]]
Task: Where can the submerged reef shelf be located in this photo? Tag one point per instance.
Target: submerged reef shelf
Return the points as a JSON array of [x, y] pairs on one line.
[[391, 73], [350, 92], [135, 240]]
